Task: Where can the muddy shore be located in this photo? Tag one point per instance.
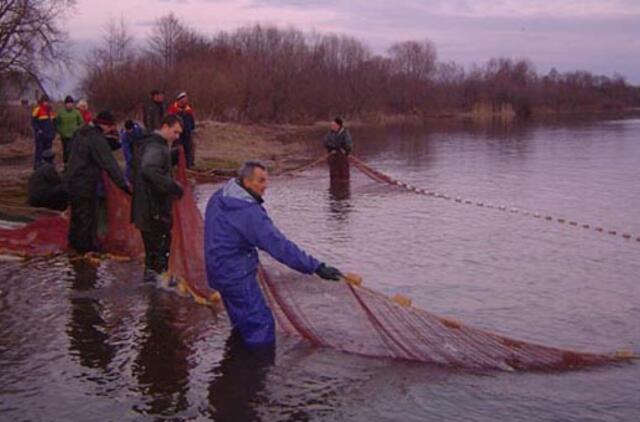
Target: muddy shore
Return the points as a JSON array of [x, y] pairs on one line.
[[218, 146]]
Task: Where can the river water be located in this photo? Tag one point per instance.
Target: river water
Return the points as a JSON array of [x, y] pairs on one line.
[[82, 342]]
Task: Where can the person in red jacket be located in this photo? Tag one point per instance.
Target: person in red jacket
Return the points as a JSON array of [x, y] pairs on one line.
[[83, 106], [182, 108]]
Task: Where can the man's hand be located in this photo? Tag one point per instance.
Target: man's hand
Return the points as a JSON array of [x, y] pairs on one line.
[[328, 273]]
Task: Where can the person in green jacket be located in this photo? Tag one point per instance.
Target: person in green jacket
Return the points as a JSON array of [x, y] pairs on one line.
[[68, 121]]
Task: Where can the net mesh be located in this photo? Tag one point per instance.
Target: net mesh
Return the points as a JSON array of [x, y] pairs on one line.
[[359, 320], [343, 316]]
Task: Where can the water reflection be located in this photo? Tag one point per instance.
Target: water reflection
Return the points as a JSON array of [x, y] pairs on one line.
[[238, 382], [339, 199], [87, 329], [162, 365]]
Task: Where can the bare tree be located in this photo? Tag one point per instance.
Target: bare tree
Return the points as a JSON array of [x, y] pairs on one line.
[[117, 44], [414, 59], [30, 35], [165, 39]]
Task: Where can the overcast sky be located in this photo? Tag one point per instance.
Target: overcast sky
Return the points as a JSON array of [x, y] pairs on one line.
[[602, 36]]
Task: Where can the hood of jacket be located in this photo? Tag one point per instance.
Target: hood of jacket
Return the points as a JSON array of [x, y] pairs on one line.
[[232, 196]]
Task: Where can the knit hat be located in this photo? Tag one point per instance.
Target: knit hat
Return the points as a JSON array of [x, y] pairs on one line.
[[105, 118], [68, 99], [181, 95]]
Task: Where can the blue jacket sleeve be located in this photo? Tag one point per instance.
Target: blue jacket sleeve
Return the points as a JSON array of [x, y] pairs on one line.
[[262, 233], [126, 147]]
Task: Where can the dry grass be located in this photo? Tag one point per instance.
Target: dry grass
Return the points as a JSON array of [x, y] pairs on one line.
[[227, 145], [219, 146]]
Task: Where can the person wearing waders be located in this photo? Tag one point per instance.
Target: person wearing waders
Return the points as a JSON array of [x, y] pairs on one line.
[[236, 226], [339, 144], [90, 154], [68, 120], [154, 190]]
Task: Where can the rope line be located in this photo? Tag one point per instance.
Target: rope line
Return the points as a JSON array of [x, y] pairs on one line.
[[380, 177]]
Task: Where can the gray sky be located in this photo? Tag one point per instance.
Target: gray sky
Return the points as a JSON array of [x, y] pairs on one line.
[[602, 36]]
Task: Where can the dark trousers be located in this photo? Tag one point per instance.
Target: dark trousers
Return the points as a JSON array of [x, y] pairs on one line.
[[66, 149], [84, 224], [157, 244], [187, 144], [189, 151], [42, 143], [56, 199], [338, 167]]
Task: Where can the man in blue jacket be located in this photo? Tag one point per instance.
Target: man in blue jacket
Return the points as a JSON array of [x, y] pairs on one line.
[[236, 225], [132, 137]]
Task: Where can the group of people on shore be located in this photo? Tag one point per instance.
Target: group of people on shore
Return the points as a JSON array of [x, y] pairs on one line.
[[236, 223]]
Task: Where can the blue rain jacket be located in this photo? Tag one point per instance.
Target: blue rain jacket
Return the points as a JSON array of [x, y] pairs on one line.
[[128, 141], [236, 225]]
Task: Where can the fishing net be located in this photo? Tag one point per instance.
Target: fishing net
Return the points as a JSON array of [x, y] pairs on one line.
[[343, 316], [45, 236], [186, 259], [359, 320]]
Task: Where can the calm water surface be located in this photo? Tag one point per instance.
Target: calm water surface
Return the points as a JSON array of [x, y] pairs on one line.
[[80, 342]]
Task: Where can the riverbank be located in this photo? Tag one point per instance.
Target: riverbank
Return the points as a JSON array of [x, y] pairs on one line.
[[225, 145], [218, 146]]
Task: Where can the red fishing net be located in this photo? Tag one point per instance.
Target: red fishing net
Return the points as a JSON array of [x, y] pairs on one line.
[[339, 315], [45, 236], [358, 320]]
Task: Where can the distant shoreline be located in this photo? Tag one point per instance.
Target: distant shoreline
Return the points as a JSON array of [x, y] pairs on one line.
[[224, 145]]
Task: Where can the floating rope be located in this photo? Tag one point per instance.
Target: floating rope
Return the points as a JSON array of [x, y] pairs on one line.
[[384, 178], [306, 166]]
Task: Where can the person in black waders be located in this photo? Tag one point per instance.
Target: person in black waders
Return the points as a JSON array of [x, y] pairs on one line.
[[338, 142], [154, 190], [90, 154]]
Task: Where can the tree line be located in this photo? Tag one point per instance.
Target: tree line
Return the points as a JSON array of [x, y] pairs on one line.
[[264, 73]]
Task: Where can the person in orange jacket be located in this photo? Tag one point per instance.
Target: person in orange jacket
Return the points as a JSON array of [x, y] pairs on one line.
[[43, 122], [182, 108]]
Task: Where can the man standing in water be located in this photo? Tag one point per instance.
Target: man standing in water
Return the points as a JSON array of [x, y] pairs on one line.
[[236, 225], [90, 154], [338, 142], [154, 190]]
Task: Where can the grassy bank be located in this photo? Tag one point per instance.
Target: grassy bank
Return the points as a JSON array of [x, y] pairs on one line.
[[218, 146]]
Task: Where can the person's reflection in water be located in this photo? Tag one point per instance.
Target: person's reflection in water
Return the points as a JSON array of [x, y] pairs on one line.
[[239, 380], [87, 331], [339, 198], [162, 365]]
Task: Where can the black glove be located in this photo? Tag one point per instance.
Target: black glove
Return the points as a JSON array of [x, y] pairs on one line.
[[328, 273], [126, 189]]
